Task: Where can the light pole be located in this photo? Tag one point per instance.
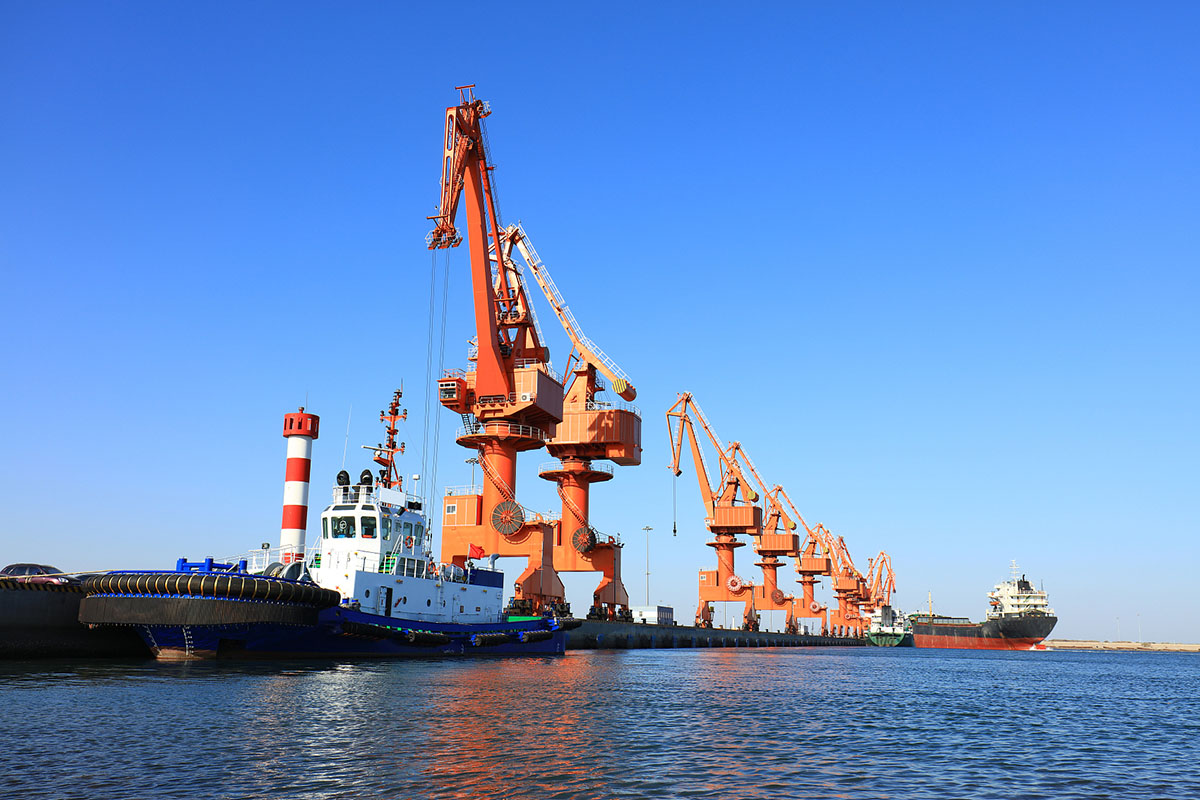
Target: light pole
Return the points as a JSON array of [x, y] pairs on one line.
[[472, 462], [647, 529]]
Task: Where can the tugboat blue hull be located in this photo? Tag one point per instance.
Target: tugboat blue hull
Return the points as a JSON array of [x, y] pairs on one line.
[[340, 632]]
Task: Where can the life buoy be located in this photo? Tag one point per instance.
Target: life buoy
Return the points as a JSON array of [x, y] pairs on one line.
[[814, 606], [408, 542]]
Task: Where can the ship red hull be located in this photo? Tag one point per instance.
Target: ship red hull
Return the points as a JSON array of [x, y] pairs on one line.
[[1013, 633], [963, 643]]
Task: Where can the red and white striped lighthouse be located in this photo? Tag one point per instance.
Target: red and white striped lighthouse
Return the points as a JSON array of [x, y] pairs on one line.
[[299, 429]]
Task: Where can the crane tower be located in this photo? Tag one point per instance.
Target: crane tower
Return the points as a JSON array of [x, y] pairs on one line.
[[510, 400]]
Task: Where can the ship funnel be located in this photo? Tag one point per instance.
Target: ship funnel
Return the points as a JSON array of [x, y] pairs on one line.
[[300, 429]]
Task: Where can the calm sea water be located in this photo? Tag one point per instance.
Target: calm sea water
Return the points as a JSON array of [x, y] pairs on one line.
[[837, 723]]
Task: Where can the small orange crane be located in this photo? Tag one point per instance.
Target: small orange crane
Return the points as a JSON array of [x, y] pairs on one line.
[[881, 582], [729, 512]]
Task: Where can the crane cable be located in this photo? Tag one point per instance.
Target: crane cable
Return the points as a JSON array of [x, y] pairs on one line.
[[674, 505], [431, 484], [428, 367]]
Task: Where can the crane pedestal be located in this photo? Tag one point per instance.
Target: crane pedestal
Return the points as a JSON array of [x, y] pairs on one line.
[[578, 547], [769, 596], [721, 585]]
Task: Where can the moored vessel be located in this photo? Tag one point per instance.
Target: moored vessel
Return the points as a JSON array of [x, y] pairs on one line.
[[1019, 618], [369, 586], [889, 628]]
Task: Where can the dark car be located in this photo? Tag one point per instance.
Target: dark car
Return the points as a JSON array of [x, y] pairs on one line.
[[34, 573]]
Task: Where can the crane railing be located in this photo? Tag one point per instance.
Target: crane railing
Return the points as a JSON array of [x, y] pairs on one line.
[[557, 466], [708, 428], [614, 405], [541, 272]]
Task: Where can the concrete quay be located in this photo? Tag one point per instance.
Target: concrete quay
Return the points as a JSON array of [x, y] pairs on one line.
[[603, 635]]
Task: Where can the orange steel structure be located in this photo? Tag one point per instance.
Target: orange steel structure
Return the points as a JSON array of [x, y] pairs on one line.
[[849, 587], [812, 560], [729, 512], [511, 400], [775, 540], [591, 430], [881, 582], [812, 556]]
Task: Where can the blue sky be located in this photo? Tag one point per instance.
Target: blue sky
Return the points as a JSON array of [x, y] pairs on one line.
[[935, 266]]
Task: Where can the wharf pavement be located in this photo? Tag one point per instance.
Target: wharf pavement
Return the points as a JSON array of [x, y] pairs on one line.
[[1092, 644]]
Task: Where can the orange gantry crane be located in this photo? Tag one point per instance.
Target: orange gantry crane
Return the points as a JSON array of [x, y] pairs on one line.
[[511, 400], [811, 556], [812, 561], [849, 587], [729, 512], [591, 430], [776, 539]]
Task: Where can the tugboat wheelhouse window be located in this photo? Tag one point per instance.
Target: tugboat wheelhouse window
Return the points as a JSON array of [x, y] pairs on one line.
[[324, 528], [387, 528], [343, 527], [368, 527]]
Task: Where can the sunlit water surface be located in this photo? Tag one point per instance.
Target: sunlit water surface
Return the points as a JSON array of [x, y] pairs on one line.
[[795, 723]]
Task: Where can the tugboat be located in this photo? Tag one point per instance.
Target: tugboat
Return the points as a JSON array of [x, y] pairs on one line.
[[1019, 618], [889, 628], [370, 587]]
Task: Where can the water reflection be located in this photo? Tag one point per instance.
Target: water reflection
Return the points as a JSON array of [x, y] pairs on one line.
[[650, 723]]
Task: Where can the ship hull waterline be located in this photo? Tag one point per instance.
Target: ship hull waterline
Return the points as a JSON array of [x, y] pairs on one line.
[[1018, 633]]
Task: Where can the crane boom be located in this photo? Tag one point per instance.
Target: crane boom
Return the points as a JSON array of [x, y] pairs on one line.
[[588, 350], [732, 478], [882, 580]]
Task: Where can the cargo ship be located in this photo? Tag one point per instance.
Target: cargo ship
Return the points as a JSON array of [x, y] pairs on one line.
[[1019, 618]]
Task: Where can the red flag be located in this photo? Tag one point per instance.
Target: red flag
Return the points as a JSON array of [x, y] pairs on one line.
[[474, 551]]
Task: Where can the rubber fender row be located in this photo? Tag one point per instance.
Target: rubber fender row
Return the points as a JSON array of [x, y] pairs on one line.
[[418, 638], [193, 584], [489, 639], [535, 636], [565, 623]]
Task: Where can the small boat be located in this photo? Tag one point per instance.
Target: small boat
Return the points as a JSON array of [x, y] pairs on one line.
[[369, 587], [889, 628]]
